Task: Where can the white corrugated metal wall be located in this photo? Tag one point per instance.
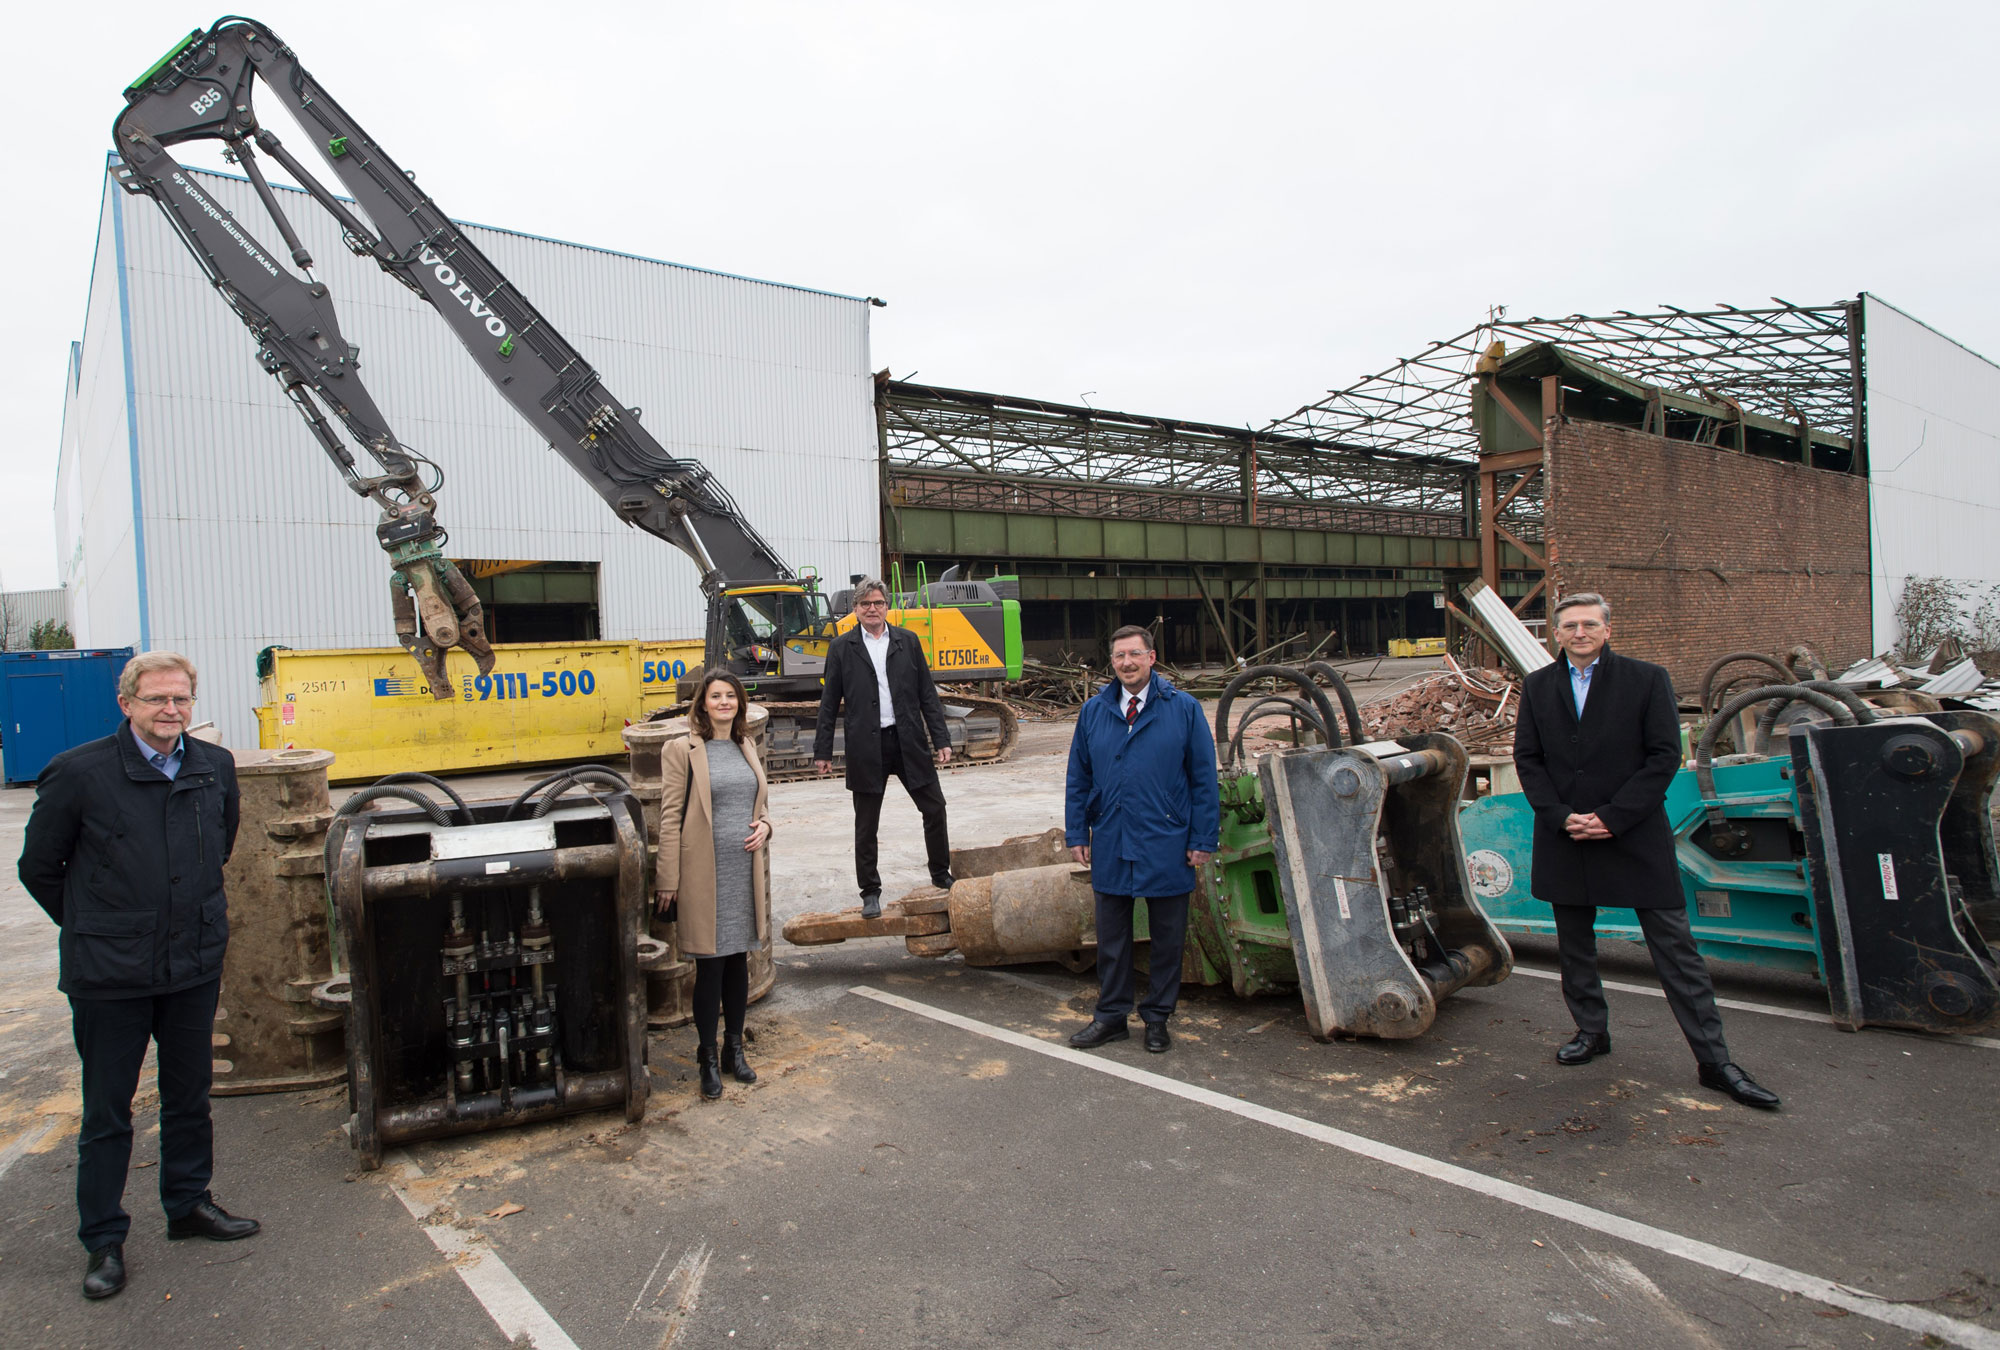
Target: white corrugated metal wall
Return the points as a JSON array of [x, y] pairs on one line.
[[1933, 411], [251, 539], [96, 527]]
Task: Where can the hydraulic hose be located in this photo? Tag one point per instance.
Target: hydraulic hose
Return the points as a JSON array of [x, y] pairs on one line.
[[558, 784], [464, 811], [596, 773], [1704, 755], [1348, 710], [1783, 672], [380, 791], [1292, 673], [1297, 708], [1767, 721]]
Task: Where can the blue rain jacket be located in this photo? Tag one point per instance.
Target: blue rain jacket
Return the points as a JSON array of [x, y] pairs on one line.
[[1143, 797]]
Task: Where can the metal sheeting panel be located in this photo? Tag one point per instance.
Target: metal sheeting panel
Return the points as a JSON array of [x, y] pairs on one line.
[[1934, 459], [252, 539], [96, 555], [24, 609]]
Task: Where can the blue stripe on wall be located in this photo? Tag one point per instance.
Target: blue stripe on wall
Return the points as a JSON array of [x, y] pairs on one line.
[[131, 420]]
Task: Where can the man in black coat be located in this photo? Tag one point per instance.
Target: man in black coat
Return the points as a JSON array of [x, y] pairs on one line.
[[124, 850], [894, 722], [1597, 742]]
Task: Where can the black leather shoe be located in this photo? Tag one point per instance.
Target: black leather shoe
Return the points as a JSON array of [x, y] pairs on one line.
[[1584, 1048], [944, 881], [871, 904], [1738, 1084], [1100, 1033], [1158, 1039], [711, 1073], [210, 1220], [732, 1057], [105, 1275]]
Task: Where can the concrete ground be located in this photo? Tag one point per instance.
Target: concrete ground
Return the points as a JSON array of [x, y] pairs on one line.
[[922, 1164]]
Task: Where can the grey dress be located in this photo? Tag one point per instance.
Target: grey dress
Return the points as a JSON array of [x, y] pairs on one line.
[[732, 797]]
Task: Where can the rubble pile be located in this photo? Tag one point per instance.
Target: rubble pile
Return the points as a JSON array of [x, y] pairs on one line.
[[1476, 706], [1056, 688]]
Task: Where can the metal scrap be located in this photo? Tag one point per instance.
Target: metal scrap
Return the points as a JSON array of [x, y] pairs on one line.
[[1478, 707]]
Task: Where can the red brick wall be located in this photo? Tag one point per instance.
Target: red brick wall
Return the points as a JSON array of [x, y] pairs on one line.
[[1703, 550]]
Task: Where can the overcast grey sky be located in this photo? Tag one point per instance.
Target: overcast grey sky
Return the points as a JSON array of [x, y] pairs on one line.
[[1200, 211]]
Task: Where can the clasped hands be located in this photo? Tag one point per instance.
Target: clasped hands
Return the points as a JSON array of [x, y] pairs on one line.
[[760, 831], [1586, 826]]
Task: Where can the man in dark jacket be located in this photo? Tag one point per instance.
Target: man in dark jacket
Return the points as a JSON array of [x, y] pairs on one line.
[[124, 850], [1597, 743], [894, 724], [1143, 813]]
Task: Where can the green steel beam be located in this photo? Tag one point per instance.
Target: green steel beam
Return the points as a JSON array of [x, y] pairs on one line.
[[933, 532]]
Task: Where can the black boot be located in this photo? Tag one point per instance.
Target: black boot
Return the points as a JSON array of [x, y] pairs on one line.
[[711, 1075], [732, 1059]]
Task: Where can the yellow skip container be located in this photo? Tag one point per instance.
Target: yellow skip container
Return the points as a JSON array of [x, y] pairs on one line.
[[544, 701]]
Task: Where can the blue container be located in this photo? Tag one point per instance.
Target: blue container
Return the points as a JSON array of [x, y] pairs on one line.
[[50, 701]]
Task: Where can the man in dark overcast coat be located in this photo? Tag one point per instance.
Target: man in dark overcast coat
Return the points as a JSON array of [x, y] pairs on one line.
[[124, 849], [1597, 743], [877, 674]]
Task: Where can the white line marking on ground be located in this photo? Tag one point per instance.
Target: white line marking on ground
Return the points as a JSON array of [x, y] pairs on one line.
[[24, 1141], [498, 1289], [1768, 1009], [633, 1311], [1859, 1302], [688, 1273]]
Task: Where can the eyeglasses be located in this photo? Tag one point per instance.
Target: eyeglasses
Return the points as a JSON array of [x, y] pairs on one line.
[[871, 604], [162, 700], [1579, 626]]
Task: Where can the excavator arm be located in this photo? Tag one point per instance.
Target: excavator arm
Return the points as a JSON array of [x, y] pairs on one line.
[[202, 90]]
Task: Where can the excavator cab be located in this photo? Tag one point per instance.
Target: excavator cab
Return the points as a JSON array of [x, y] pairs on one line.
[[778, 629]]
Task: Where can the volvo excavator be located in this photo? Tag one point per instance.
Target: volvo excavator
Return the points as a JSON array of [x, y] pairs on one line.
[[766, 622]]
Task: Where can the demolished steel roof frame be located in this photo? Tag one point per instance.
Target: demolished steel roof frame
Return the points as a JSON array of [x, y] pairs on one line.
[[976, 439], [1787, 361]]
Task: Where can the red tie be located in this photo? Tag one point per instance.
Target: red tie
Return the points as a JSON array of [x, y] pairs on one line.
[[1132, 710]]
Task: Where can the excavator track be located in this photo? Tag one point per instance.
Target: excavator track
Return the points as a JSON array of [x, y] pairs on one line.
[[983, 731]]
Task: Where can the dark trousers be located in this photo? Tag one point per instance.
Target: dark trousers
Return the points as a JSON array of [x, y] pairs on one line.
[[721, 986], [111, 1036], [1683, 974], [1167, 921], [929, 798]]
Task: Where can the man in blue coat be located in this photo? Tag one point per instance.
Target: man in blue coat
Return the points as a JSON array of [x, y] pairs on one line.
[[124, 850], [1143, 813]]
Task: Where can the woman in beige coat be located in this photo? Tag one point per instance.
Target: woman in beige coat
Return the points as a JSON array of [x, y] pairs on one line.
[[714, 822]]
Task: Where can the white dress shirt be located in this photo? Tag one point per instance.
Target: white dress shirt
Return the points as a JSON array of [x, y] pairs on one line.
[[878, 652], [1125, 697]]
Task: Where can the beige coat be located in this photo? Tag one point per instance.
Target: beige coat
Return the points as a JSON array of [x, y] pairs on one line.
[[687, 842]]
